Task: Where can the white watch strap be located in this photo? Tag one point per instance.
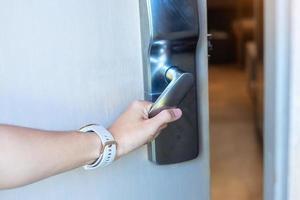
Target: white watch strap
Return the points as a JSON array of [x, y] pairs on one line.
[[109, 147]]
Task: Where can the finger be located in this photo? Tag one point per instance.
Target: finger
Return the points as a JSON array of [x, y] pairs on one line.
[[146, 104], [140, 104], [152, 137], [162, 127], [140, 108], [146, 108], [166, 116]]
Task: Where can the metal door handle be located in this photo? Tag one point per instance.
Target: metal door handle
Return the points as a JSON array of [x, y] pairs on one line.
[[180, 84]]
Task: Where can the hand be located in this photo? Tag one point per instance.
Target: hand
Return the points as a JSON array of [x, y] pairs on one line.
[[134, 129]]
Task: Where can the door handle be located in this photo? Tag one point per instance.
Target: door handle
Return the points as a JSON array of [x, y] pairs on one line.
[[179, 85]]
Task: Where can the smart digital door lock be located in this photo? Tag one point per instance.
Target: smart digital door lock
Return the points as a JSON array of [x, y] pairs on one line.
[[169, 31]]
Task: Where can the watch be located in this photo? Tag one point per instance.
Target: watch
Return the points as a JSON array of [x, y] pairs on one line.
[[109, 146]]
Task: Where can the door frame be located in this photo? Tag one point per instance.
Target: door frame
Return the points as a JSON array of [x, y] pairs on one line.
[[280, 66]]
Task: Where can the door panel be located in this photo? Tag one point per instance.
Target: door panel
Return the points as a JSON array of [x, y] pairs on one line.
[[67, 63]]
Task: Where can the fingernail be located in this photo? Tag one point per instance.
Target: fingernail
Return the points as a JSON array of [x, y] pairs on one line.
[[177, 112]]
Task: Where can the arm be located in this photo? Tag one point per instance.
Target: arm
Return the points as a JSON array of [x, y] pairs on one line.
[[28, 155]]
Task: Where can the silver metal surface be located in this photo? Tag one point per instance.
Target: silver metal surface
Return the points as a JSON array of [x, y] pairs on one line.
[[170, 30], [180, 84]]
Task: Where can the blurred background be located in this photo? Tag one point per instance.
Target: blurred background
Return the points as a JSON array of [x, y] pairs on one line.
[[236, 98]]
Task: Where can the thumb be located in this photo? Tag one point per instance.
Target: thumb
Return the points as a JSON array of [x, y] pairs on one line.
[[166, 116]]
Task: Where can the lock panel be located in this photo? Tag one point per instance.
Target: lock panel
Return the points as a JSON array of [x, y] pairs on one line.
[[169, 31]]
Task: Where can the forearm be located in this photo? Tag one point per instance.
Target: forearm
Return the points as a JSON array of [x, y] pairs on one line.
[[28, 155]]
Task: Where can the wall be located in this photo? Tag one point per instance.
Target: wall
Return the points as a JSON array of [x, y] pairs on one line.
[[294, 140], [277, 97], [282, 121]]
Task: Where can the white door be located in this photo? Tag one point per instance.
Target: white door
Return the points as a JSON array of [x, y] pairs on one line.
[[67, 63]]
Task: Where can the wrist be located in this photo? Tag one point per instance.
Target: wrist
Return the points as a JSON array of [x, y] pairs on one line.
[[108, 149], [119, 141], [94, 147]]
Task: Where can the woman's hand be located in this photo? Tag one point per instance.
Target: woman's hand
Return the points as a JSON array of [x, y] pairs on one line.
[[134, 129]]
